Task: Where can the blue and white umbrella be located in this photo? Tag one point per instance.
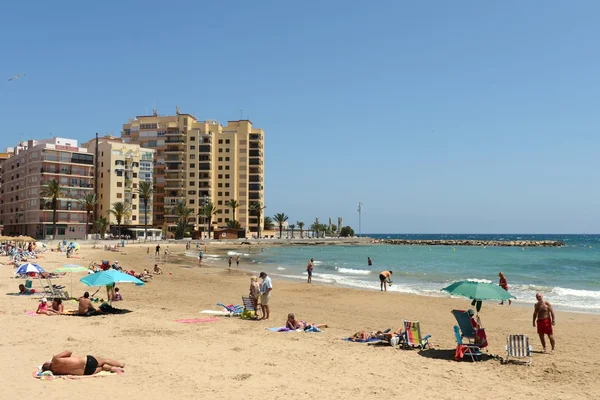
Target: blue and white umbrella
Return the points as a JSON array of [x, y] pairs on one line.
[[29, 267]]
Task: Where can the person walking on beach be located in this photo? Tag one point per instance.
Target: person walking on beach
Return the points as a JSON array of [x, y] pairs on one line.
[[504, 285], [265, 293], [369, 262], [309, 269], [157, 251], [545, 320], [384, 278], [237, 261], [229, 261], [200, 256]]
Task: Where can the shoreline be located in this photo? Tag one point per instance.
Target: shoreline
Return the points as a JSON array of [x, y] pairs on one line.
[[247, 268]]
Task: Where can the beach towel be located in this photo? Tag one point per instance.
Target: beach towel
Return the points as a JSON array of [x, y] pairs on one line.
[[32, 313], [214, 312], [284, 329], [196, 320], [49, 376], [372, 340]]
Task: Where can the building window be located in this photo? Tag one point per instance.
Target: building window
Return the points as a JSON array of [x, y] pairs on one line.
[[192, 165], [220, 185], [227, 211], [220, 194], [192, 147], [220, 158], [220, 202], [71, 229], [226, 176], [220, 176], [227, 168], [227, 185], [226, 194], [134, 207], [192, 138], [192, 156], [192, 174], [134, 217], [227, 150], [220, 167], [135, 175], [119, 184], [119, 195], [101, 174], [220, 150], [220, 141], [192, 183], [227, 141], [192, 201], [220, 219], [226, 158]]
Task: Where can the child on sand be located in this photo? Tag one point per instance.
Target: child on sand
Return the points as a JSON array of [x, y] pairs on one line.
[[117, 296]]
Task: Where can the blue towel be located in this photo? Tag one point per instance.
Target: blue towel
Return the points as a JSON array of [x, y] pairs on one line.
[[363, 341], [278, 329]]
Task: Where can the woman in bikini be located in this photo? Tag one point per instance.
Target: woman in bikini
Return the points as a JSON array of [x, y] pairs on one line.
[[293, 324]]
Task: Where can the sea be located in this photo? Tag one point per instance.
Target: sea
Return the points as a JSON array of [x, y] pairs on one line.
[[569, 276]]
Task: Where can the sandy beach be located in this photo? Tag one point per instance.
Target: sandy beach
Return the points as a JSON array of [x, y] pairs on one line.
[[238, 359]]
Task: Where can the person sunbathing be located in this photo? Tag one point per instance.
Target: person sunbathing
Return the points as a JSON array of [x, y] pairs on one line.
[[57, 306], [66, 363], [24, 290], [386, 335], [43, 308], [293, 324]]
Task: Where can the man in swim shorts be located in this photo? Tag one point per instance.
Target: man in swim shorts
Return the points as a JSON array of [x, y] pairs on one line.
[[545, 320], [309, 269], [66, 363], [384, 278]]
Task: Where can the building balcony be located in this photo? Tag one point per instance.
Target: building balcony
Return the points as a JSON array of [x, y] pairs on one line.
[[254, 195], [255, 161], [175, 140], [204, 166], [174, 150], [174, 177], [204, 148], [204, 185], [255, 187], [255, 137], [254, 179], [173, 185], [255, 153], [255, 170]]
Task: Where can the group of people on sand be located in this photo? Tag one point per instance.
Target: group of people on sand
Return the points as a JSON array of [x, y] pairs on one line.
[[261, 292]]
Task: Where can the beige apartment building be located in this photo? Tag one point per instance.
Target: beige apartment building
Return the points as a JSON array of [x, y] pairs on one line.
[[197, 161], [33, 163], [121, 168]]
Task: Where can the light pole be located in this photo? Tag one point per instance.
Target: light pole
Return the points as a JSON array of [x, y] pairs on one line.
[[359, 218]]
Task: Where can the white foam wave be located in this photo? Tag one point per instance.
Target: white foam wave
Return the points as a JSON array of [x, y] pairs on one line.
[[576, 293], [317, 262], [235, 253], [352, 271], [280, 268], [479, 280]]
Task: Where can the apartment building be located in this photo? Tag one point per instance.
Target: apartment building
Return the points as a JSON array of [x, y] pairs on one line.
[[31, 165], [121, 168], [197, 161]]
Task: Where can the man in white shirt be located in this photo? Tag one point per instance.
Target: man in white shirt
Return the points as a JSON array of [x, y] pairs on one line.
[[265, 291]]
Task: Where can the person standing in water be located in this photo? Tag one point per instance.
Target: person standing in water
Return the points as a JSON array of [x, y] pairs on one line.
[[229, 261], [309, 269], [237, 261], [369, 262], [385, 277], [504, 285]]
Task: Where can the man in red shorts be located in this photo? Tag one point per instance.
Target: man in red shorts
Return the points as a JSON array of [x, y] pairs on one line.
[[545, 320]]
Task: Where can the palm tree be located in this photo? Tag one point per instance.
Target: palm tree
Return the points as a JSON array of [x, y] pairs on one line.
[[258, 208], [233, 204], [292, 227], [280, 218], [88, 202], [183, 214], [101, 224], [52, 190], [119, 210], [145, 191], [232, 223], [315, 227], [300, 226], [268, 224], [207, 212]]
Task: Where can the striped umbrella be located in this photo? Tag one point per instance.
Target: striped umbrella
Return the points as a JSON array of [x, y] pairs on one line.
[[72, 268]]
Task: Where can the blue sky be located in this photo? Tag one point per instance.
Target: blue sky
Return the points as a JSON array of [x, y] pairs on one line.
[[439, 116]]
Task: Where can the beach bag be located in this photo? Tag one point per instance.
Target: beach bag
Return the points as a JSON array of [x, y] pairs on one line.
[[247, 314]]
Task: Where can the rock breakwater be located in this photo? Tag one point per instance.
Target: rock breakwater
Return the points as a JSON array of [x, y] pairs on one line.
[[480, 243]]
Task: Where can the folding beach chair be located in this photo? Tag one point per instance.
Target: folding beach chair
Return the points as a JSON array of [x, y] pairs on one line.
[[472, 350], [467, 331], [233, 310], [412, 336], [249, 308], [517, 346]]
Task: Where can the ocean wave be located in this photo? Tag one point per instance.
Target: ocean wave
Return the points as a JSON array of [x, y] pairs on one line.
[[235, 253], [352, 271], [280, 268]]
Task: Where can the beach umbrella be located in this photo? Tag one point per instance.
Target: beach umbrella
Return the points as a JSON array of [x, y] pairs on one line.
[[105, 278], [29, 267], [478, 291], [72, 268]]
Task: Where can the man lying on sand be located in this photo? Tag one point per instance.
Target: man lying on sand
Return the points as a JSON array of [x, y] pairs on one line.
[[67, 364], [392, 337]]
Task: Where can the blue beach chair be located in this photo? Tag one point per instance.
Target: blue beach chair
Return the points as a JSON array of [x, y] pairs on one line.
[[471, 349]]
